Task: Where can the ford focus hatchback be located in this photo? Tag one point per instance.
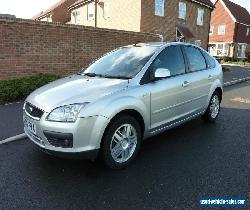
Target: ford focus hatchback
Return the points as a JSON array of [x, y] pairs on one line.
[[127, 95]]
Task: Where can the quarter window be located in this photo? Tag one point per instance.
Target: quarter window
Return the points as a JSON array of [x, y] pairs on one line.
[[196, 60], [159, 7], [200, 17], [172, 59], [182, 10]]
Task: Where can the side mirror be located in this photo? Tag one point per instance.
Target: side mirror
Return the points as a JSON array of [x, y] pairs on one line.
[[162, 73]]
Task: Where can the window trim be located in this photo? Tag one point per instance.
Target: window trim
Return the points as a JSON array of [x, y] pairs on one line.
[[185, 16], [197, 20], [241, 44], [162, 12], [106, 9], [248, 32], [91, 4], [222, 25]]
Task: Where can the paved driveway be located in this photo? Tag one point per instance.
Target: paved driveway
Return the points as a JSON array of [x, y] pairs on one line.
[[172, 171]]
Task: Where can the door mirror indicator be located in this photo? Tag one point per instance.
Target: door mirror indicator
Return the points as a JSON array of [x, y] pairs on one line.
[[162, 73]]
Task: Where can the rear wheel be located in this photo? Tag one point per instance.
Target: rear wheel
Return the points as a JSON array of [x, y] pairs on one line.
[[213, 109], [121, 142]]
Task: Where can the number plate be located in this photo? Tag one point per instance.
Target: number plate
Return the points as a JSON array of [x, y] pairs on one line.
[[29, 126]]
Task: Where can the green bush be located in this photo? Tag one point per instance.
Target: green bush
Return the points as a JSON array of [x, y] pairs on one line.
[[227, 59], [19, 89]]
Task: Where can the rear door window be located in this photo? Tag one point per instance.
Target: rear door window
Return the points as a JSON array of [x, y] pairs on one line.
[[196, 60], [210, 61]]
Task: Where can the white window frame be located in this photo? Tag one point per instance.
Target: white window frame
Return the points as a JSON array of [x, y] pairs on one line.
[[222, 29], [159, 7], [200, 17], [211, 32], [242, 48], [77, 17], [106, 9], [222, 49], [48, 18], [248, 30], [91, 11], [182, 10]]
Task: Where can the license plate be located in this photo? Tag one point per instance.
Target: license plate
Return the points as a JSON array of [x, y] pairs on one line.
[[30, 126]]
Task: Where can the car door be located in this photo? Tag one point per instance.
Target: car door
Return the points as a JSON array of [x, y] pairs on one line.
[[169, 96], [199, 78]]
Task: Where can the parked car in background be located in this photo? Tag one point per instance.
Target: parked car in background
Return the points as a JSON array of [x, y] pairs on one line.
[[127, 95]]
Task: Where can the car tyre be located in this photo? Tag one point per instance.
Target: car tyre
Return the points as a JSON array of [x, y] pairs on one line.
[[213, 109], [121, 142]]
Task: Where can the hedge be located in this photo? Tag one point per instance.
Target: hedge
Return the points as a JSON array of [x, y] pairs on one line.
[[19, 89]]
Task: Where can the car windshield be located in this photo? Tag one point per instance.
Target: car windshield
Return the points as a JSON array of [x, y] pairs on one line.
[[123, 63]]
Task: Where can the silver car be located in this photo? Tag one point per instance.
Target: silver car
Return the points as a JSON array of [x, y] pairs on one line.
[[127, 95]]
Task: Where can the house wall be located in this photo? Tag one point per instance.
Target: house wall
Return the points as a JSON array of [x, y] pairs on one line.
[[31, 47], [167, 25], [241, 34], [124, 15], [220, 17]]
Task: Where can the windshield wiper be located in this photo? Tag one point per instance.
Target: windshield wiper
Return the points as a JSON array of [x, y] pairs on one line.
[[116, 77], [92, 75]]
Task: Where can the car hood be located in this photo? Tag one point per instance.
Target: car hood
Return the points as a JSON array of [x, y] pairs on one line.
[[74, 89]]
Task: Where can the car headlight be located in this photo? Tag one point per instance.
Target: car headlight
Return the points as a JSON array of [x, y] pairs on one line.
[[67, 113]]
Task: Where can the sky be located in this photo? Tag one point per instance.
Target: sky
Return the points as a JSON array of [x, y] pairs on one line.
[[29, 8]]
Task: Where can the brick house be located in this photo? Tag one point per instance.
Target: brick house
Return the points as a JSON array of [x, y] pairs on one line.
[[229, 31], [57, 13], [173, 20]]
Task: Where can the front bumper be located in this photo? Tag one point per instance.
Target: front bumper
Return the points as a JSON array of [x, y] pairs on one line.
[[86, 135]]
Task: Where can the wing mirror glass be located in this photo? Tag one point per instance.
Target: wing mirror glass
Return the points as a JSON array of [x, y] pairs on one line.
[[162, 73]]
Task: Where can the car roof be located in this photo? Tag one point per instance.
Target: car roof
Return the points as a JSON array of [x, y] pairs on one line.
[[160, 44]]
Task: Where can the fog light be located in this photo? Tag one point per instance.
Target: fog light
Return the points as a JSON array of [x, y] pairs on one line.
[[64, 140]]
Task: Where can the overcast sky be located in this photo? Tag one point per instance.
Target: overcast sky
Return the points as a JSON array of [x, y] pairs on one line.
[[29, 8]]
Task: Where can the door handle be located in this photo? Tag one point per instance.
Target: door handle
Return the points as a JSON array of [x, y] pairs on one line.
[[185, 84], [210, 77]]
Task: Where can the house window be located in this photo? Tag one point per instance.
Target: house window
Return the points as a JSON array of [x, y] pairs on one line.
[[211, 32], [49, 18], [221, 29], [247, 31], [200, 17], [91, 11], [106, 14], [241, 50], [77, 17], [182, 10], [159, 7]]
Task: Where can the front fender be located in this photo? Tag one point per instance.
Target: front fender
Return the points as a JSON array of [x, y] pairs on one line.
[[111, 106]]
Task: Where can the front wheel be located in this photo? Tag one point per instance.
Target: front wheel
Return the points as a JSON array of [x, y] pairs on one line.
[[213, 109], [121, 142]]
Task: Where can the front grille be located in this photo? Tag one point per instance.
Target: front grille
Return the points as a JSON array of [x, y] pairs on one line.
[[33, 111]]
